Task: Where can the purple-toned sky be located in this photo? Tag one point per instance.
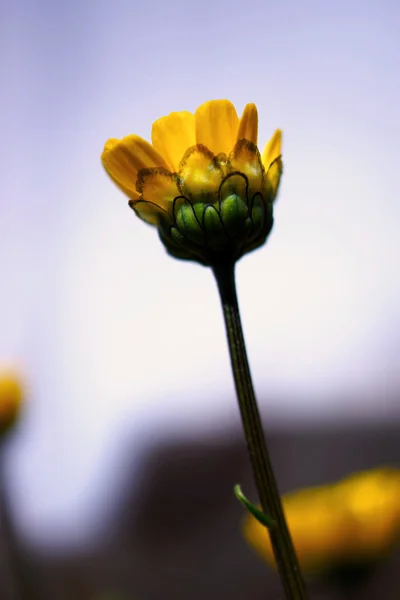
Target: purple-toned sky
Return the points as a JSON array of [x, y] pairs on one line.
[[113, 334]]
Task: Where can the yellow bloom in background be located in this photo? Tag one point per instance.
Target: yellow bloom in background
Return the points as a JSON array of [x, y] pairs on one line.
[[202, 181], [353, 521], [11, 397]]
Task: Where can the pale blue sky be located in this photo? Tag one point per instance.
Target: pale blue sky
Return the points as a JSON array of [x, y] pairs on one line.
[[101, 318]]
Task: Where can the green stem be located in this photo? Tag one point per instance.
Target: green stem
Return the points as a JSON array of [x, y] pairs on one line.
[[285, 556]]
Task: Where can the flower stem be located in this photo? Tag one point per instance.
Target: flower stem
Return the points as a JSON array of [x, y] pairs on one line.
[[23, 581], [285, 556]]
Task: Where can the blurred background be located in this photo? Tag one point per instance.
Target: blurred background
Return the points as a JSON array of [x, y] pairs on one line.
[[119, 477]]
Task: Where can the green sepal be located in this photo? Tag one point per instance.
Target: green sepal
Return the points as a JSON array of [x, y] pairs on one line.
[[214, 229], [257, 215], [233, 214], [187, 221], [177, 237]]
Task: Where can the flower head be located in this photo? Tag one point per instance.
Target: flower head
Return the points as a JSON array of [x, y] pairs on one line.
[[202, 181], [354, 521], [10, 399]]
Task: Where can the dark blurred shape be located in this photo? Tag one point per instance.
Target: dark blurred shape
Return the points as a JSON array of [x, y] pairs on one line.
[[11, 399], [176, 532]]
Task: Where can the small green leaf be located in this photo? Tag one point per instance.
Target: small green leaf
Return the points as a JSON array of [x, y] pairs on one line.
[[256, 512]]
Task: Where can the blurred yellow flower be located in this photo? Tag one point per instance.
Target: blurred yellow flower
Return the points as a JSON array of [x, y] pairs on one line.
[[202, 181], [353, 521], [11, 396]]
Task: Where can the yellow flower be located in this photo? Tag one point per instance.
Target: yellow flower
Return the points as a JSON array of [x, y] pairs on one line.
[[10, 399], [202, 181], [353, 521]]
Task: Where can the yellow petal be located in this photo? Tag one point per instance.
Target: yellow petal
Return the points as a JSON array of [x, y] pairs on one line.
[[122, 159], [272, 149], [158, 186], [11, 398], [273, 164], [372, 504], [130, 193], [246, 159], [216, 125], [171, 136], [357, 518], [248, 125], [315, 527], [200, 175]]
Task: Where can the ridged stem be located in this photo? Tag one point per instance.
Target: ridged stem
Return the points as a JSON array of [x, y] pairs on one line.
[[285, 556]]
